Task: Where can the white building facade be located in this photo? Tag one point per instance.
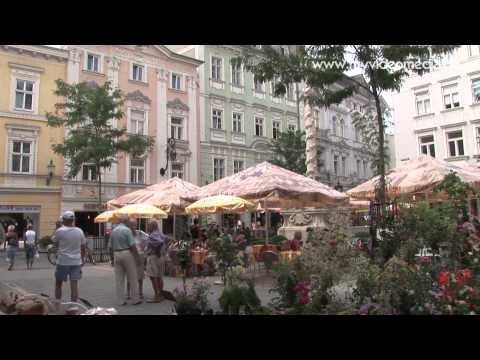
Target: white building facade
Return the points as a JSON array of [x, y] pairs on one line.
[[438, 114]]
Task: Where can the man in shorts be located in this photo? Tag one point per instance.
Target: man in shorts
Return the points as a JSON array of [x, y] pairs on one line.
[[71, 254]]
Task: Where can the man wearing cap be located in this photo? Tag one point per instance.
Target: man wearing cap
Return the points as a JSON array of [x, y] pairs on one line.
[[70, 255], [126, 259]]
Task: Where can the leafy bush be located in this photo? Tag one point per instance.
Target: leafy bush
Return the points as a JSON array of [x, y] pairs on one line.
[[235, 297], [226, 253], [194, 300], [277, 239]]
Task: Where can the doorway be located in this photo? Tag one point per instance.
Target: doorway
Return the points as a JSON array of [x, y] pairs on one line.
[[85, 220]]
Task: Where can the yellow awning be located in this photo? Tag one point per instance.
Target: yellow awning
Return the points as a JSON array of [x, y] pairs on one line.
[[220, 204], [142, 211]]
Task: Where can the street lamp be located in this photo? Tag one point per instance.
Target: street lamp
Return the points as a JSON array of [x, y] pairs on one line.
[[171, 155], [50, 169]]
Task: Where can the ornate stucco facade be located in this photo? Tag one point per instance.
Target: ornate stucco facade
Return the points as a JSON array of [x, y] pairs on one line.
[[161, 91], [30, 189], [237, 118]]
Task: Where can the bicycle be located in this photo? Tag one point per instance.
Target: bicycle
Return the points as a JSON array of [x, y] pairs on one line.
[[52, 255]]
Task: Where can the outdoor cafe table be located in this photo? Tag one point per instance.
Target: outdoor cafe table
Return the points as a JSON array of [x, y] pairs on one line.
[[288, 255], [199, 256]]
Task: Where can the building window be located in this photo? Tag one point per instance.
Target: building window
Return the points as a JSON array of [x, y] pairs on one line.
[[427, 145], [21, 157], [292, 127], [258, 85], [341, 130], [137, 122], [237, 166], [455, 143], [334, 125], [216, 68], [476, 90], [276, 129], [218, 169], [473, 50], [237, 122], [89, 172], [176, 81], [422, 101], [177, 170], [365, 168], [138, 72], [217, 119], [236, 75], [359, 170], [357, 133], [477, 132], [274, 84], [258, 126], [344, 166], [290, 92], [176, 130], [137, 171], [335, 164], [24, 95], [451, 98], [284, 50], [93, 63]]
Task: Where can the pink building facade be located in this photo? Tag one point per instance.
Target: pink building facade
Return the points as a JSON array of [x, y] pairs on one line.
[[161, 91]]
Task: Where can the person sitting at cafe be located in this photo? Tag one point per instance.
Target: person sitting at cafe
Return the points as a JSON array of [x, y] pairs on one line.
[[296, 242]]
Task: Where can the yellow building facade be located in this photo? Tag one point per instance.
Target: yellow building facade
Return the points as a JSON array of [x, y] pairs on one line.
[[30, 172]]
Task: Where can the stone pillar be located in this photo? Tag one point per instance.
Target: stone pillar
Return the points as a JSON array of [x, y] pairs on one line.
[[113, 67], [193, 128], [73, 66], [162, 121]]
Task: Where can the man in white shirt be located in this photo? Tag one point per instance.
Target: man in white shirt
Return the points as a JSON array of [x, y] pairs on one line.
[[71, 254], [30, 246]]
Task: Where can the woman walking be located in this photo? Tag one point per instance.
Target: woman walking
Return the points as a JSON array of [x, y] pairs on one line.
[[30, 246], [155, 251], [12, 245]]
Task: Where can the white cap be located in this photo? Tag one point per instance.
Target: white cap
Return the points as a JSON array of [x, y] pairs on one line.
[[68, 215]]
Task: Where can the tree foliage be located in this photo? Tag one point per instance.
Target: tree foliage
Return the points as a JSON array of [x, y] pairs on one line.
[[88, 113], [289, 151]]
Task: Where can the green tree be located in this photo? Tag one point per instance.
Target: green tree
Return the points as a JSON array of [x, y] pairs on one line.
[[289, 151], [365, 122], [321, 66], [88, 112]]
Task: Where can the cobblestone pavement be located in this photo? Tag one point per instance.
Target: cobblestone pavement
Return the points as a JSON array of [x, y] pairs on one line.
[[98, 285]]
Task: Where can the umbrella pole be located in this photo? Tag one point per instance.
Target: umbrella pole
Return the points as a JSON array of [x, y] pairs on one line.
[[266, 221], [174, 226]]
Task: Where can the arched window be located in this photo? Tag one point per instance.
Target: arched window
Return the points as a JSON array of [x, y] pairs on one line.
[[334, 125], [341, 131]]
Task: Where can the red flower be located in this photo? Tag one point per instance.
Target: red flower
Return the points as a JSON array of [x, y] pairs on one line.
[[463, 275], [303, 300], [443, 277]]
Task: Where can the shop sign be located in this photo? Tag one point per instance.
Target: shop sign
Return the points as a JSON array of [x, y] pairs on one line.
[[19, 209]]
